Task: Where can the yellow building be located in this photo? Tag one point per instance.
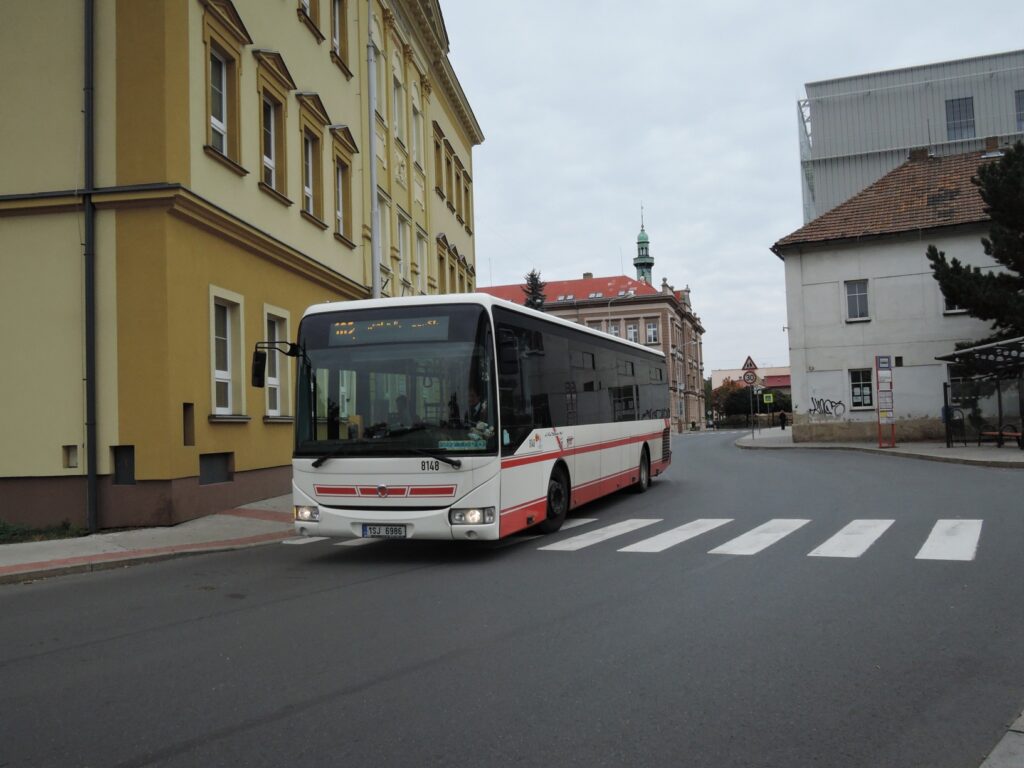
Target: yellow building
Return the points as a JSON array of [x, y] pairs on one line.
[[181, 178]]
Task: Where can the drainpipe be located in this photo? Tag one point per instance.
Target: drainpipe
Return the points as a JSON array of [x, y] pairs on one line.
[[371, 76], [90, 279]]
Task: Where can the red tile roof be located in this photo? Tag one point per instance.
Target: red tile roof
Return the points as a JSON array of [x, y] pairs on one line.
[[920, 194], [580, 289], [772, 382]]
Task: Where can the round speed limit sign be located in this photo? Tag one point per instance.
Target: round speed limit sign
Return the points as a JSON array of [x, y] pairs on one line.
[[749, 377]]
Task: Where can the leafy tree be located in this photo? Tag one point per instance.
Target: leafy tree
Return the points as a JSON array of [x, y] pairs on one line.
[[534, 290], [731, 399], [997, 297]]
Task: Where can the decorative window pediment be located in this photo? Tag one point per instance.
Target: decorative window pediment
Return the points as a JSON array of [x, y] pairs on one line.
[[312, 103], [229, 18], [343, 135], [274, 66]]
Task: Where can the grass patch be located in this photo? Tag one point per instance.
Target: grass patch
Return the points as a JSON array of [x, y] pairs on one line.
[[14, 534]]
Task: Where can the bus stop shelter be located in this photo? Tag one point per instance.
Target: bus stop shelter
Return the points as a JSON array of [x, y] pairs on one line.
[[988, 369]]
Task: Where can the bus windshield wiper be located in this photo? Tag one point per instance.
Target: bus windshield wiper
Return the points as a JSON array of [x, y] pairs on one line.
[[438, 457], [333, 453]]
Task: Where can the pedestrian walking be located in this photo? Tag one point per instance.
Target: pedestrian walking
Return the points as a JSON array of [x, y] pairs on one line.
[[782, 420]]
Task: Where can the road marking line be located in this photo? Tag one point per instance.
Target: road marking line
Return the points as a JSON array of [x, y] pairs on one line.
[[601, 534], [576, 522], [762, 537], [853, 540], [304, 540], [952, 540], [356, 542], [663, 541]]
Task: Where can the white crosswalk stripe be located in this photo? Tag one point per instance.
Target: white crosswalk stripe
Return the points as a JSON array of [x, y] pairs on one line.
[[576, 522], [853, 540], [762, 537], [304, 540], [590, 538], [663, 541], [952, 540]]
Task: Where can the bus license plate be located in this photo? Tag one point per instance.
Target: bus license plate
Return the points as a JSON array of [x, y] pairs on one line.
[[383, 531]]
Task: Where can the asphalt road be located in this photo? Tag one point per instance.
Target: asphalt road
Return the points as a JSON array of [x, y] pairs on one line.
[[420, 654]]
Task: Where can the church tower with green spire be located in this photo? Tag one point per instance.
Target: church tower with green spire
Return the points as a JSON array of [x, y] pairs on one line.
[[643, 262]]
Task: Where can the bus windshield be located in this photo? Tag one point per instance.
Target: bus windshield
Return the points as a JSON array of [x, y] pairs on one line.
[[396, 381]]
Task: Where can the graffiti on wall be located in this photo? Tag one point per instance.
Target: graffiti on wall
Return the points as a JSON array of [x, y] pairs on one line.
[[826, 407]]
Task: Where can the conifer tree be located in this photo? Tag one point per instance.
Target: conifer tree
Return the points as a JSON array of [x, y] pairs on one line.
[[994, 296], [534, 290]]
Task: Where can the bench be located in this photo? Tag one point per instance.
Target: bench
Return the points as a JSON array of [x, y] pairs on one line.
[[1000, 435]]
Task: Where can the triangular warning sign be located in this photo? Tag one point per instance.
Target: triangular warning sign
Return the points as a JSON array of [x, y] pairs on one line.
[[750, 365]]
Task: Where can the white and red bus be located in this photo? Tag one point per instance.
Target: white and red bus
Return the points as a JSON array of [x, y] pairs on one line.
[[464, 417]]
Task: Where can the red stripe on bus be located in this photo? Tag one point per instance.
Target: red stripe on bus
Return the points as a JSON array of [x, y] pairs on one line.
[[432, 490], [516, 461], [335, 490], [515, 518]]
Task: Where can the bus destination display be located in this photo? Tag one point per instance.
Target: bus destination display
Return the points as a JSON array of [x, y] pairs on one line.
[[416, 329]]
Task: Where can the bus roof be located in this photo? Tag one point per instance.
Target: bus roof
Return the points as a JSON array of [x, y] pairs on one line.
[[480, 299]]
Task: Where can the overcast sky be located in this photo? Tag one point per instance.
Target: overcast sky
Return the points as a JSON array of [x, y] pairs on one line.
[[590, 106]]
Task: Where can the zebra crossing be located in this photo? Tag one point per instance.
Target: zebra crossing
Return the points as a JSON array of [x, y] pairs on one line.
[[948, 539]]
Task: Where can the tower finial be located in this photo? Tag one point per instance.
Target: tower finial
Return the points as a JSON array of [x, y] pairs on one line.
[[641, 214]]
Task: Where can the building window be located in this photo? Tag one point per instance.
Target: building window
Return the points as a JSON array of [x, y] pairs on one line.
[[224, 35], [277, 370], [652, 332], [344, 150], [467, 200], [218, 102], [860, 388], [960, 118], [632, 332], [417, 128], [857, 300], [403, 247], [613, 327], [950, 307], [309, 15], [312, 118], [339, 37], [421, 261], [271, 134], [226, 344], [1018, 98], [398, 108]]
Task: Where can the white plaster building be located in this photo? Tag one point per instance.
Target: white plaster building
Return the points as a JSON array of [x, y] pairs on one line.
[[853, 130], [858, 284]]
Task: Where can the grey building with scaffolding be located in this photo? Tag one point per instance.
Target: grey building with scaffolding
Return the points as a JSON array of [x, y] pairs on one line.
[[854, 130]]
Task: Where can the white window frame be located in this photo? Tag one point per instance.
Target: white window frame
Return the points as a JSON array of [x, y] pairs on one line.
[[340, 169], [222, 376], [632, 331], [404, 256], [861, 405], [958, 126], [417, 131], [613, 327], [421, 260], [219, 126], [398, 110], [270, 135], [336, 26], [847, 286], [276, 322], [234, 306], [652, 332], [308, 142]]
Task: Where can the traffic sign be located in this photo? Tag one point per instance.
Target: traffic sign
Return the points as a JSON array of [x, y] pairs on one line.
[[769, 398], [749, 377]]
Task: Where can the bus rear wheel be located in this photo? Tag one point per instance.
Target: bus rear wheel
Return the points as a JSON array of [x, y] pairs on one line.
[[558, 502], [644, 482]]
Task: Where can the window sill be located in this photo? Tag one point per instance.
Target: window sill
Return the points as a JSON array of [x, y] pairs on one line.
[[851, 320], [401, 144], [311, 26], [469, 230], [862, 409], [278, 420], [340, 64], [451, 207], [344, 241], [461, 220], [228, 418], [440, 192], [948, 312], [224, 160], [275, 194], [313, 219]]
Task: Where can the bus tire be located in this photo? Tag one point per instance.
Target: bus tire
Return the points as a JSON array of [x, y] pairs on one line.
[[644, 481], [558, 501]]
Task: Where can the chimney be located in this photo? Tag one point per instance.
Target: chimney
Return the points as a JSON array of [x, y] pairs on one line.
[[588, 275], [991, 144], [919, 153]]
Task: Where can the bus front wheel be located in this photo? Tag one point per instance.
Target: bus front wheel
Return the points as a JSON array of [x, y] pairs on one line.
[[644, 482], [558, 502]]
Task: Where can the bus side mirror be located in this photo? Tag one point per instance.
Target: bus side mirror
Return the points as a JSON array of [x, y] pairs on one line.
[[259, 368]]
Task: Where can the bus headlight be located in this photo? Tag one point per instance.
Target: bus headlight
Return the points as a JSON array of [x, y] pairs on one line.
[[306, 514], [473, 516]]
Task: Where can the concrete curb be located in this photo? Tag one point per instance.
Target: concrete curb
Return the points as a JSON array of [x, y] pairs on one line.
[[884, 451], [45, 569]]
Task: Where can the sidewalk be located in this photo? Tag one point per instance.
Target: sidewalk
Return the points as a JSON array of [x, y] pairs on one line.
[[260, 522], [987, 455]]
